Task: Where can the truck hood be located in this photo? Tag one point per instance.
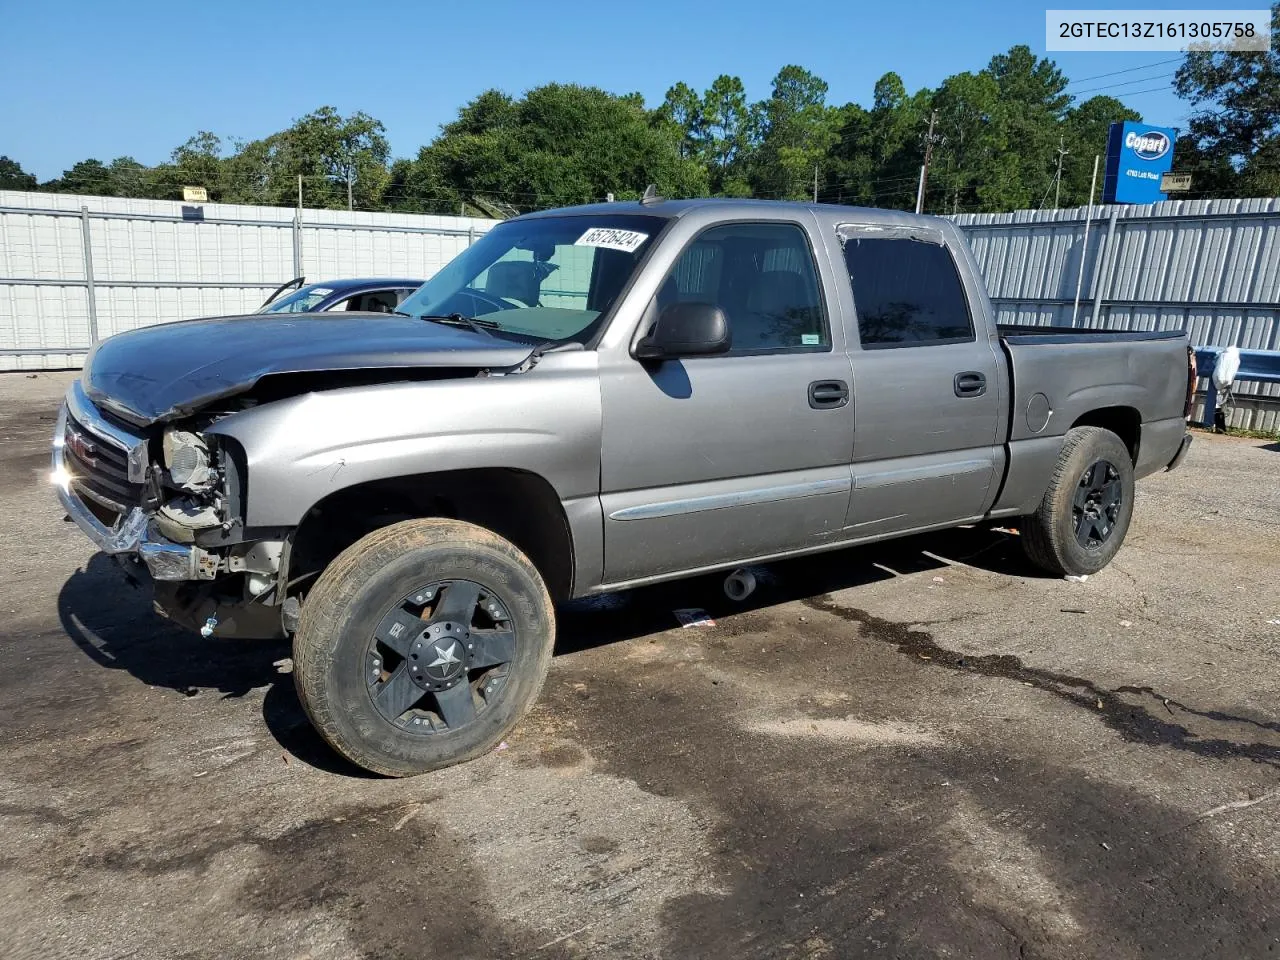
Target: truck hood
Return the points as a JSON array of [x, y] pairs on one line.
[[170, 370]]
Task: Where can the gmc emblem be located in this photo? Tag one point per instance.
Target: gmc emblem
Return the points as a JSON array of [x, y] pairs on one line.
[[84, 450]]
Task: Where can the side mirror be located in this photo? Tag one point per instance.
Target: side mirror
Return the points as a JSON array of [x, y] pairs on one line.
[[686, 330]]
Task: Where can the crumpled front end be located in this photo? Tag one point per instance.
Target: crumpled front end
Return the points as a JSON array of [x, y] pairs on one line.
[[160, 505]]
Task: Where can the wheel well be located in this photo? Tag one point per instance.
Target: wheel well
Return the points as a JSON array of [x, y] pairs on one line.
[[519, 506], [1124, 422]]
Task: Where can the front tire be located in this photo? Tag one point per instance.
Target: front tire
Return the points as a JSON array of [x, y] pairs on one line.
[[1084, 515], [422, 645]]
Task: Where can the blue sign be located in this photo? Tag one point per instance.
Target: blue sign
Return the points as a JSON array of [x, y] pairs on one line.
[[1138, 154]]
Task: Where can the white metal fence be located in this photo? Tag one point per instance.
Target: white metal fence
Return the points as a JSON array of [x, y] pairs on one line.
[[1211, 267], [76, 269]]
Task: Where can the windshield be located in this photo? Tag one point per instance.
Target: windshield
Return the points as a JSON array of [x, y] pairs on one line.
[[551, 278], [300, 301]]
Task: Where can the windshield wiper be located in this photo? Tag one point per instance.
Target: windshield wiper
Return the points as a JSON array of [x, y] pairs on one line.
[[461, 320]]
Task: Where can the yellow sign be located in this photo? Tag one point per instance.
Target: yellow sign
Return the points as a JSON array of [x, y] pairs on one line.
[[195, 194], [1175, 182]]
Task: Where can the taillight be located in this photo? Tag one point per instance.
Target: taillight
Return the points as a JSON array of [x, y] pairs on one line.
[[1192, 377]]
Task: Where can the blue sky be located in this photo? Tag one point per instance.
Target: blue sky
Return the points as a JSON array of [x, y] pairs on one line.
[[82, 79]]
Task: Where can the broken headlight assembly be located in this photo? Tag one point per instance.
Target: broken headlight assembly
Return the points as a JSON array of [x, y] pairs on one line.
[[187, 458]]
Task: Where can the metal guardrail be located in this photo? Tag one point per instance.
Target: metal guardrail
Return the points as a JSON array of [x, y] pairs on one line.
[[1261, 366]]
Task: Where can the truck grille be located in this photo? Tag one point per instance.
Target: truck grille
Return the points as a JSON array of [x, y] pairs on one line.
[[99, 470]]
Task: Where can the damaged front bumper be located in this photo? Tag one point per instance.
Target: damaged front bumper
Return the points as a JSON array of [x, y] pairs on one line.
[[133, 532]]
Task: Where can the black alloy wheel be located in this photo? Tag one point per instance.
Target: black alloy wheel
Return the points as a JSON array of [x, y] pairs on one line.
[[439, 658], [1096, 505]]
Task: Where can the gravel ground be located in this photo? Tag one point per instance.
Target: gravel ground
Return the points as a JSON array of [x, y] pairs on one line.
[[922, 749]]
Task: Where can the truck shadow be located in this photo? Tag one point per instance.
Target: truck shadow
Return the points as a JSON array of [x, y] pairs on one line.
[[115, 626], [611, 618]]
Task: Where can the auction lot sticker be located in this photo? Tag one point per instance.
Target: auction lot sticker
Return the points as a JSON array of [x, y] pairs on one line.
[[628, 241]]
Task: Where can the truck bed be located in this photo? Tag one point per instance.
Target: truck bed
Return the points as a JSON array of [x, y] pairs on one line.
[[1134, 382]]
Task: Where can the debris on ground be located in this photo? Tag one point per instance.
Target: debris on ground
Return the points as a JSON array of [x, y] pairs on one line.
[[693, 617], [1082, 578]]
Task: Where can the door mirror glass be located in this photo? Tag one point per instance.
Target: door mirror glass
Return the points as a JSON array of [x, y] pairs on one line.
[[686, 330]]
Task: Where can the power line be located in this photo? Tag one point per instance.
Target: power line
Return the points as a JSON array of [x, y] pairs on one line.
[[1134, 93], [1126, 83], [1116, 73]]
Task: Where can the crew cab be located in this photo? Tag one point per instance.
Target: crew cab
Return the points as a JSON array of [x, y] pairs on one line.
[[583, 401]]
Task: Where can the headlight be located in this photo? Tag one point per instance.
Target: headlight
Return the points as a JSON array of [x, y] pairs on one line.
[[187, 457]]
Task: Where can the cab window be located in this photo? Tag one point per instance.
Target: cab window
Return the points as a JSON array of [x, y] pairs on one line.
[[762, 275]]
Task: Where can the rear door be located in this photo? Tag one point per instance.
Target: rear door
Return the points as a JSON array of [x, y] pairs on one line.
[[709, 460], [927, 385]]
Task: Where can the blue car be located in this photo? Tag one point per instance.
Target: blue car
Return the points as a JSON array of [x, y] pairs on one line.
[[371, 294]]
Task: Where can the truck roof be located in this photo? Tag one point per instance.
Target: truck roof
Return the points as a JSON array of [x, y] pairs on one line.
[[729, 207]]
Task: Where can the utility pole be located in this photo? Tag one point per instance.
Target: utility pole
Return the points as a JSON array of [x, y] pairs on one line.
[[1084, 244], [1057, 180], [299, 194], [929, 141], [349, 207], [815, 183]]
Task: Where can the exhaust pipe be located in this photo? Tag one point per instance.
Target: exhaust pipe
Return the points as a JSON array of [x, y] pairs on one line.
[[739, 585]]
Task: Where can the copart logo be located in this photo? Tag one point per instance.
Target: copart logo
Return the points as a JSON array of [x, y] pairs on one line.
[[1151, 145]]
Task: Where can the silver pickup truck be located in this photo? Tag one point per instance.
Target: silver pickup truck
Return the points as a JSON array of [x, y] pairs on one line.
[[583, 401]]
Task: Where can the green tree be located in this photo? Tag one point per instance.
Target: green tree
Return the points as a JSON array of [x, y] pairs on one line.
[[325, 148], [87, 176], [198, 162], [1084, 135], [1033, 107], [727, 123], [877, 153], [681, 114], [123, 177], [971, 156], [1212, 172], [13, 177], [797, 131], [559, 144], [1236, 118], [126, 177]]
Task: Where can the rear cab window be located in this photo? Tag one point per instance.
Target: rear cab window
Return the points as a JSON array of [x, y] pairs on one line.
[[906, 292]]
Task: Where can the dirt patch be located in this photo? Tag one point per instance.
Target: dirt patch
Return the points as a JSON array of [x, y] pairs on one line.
[[847, 730]]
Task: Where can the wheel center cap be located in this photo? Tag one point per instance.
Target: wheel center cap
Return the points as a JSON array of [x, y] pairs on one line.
[[438, 658]]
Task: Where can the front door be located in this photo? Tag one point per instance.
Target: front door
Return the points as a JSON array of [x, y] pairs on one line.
[[928, 390], [712, 460]]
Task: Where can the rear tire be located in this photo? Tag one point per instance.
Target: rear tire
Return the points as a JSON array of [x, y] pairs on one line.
[[422, 645], [1084, 515]]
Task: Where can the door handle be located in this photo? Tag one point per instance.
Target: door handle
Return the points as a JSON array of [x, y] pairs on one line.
[[971, 383], [828, 394]]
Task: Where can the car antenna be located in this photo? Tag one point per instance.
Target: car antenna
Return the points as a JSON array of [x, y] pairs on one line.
[[650, 195]]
